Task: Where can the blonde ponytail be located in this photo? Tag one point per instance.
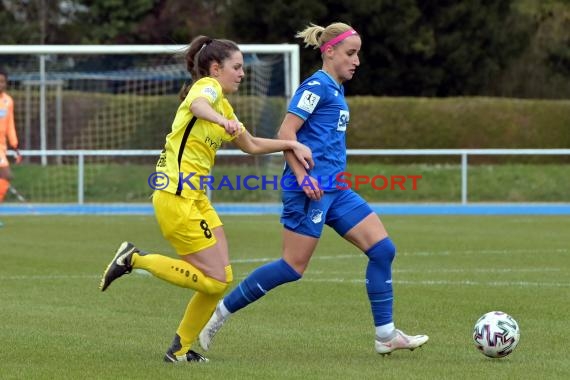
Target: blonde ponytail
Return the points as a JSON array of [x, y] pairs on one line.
[[315, 35]]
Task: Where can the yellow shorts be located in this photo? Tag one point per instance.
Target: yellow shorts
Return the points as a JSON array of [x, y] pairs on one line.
[[186, 223]]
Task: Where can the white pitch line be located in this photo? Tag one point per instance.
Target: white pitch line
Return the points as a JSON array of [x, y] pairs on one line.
[[358, 255], [338, 280], [479, 270], [481, 252], [523, 284], [49, 277], [458, 270], [316, 257]]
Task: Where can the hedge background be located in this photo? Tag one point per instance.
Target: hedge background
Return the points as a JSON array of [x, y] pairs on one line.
[[375, 122]]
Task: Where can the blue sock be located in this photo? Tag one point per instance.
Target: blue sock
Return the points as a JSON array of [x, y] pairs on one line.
[[379, 280], [258, 283]]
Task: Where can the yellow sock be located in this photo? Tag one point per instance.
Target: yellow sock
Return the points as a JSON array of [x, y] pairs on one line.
[[197, 314], [177, 272]]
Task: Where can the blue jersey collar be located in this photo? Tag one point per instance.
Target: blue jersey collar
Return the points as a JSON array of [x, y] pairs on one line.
[[338, 85]]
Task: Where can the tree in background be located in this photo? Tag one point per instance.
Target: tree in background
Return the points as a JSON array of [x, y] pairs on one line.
[[179, 21], [514, 48], [11, 31], [411, 48], [543, 70], [35, 21], [443, 48], [108, 21], [148, 21], [271, 21]]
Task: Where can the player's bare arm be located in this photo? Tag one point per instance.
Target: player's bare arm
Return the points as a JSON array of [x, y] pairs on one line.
[[258, 145], [288, 131], [202, 109]]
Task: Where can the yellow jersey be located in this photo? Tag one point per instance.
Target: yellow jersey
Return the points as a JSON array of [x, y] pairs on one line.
[[191, 146]]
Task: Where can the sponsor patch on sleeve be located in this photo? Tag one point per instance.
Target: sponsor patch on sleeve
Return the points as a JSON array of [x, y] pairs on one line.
[[308, 101], [211, 93]]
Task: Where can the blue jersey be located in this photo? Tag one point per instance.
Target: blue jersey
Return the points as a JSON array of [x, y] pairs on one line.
[[320, 101]]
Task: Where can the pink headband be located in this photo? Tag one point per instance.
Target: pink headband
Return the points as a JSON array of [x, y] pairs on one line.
[[338, 39]]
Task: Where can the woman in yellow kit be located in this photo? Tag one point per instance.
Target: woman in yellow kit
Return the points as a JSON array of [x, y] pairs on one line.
[[204, 120]]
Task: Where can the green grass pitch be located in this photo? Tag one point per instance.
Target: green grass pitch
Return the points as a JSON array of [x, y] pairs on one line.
[[449, 270]]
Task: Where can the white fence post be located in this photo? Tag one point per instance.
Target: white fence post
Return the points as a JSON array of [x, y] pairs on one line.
[[80, 178], [464, 178]]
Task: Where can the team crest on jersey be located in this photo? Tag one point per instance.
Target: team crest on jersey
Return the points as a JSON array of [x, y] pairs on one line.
[[316, 216], [343, 119], [308, 101], [210, 92]]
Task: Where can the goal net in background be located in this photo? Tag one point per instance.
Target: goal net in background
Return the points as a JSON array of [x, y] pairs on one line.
[[91, 119]]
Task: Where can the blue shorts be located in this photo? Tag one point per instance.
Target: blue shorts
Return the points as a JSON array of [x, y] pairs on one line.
[[339, 209]]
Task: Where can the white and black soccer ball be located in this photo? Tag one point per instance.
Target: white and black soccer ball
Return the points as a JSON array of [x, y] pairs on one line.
[[496, 334]]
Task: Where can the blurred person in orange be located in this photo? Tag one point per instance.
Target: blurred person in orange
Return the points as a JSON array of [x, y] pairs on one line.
[[8, 135]]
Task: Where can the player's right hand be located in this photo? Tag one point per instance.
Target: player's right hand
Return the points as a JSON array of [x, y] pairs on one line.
[[232, 127], [311, 187]]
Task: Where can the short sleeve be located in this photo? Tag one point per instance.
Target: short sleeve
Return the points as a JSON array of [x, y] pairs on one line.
[[208, 88], [307, 98]]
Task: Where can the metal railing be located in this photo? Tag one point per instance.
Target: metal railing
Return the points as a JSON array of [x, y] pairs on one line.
[[463, 154]]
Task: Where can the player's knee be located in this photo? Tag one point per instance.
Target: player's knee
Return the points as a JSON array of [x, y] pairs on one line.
[[229, 276], [382, 252], [296, 265], [215, 286]]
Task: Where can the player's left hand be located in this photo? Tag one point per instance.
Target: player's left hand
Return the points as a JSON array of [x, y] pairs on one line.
[[304, 155]]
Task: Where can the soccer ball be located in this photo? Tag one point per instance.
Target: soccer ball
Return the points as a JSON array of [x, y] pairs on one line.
[[496, 334]]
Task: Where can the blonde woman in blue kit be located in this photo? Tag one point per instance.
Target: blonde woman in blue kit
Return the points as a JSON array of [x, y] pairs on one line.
[[318, 116], [204, 121]]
